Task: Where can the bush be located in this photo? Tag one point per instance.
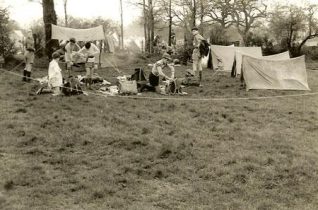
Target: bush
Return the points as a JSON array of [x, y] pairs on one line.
[[6, 45]]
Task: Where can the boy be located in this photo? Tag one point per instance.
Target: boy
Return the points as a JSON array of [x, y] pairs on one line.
[[69, 48], [156, 72], [55, 75], [90, 50], [196, 56], [28, 60]]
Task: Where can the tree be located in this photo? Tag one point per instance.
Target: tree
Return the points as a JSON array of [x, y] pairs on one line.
[[311, 25], [245, 13], [220, 11], [6, 45], [49, 17], [293, 26]]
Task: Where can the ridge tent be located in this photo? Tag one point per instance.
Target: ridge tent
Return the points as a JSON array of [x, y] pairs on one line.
[[289, 74], [237, 67], [223, 57]]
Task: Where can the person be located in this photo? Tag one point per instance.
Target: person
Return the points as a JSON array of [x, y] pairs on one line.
[[55, 78], [90, 50], [28, 60], [196, 56], [156, 73], [69, 48], [29, 42]]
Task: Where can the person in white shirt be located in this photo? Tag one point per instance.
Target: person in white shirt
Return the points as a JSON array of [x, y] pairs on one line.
[[69, 48], [156, 73], [90, 51], [55, 78]]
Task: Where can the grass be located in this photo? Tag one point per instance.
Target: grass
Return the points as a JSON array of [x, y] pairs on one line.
[[88, 152]]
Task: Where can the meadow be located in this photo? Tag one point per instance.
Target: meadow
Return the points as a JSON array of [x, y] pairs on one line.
[[92, 152]]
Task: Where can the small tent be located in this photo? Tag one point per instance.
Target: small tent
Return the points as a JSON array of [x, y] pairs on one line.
[[223, 57], [289, 74], [237, 68]]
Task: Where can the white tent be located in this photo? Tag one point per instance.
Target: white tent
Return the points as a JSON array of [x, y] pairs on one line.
[[289, 74], [256, 54], [223, 57]]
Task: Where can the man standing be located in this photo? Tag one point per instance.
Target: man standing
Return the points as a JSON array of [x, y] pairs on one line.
[[196, 56], [69, 48], [90, 51]]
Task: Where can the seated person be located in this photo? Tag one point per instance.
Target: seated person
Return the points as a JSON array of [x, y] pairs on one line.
[[156, 73]]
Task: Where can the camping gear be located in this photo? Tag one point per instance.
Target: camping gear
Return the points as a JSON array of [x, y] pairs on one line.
[[289, 74], [127, 86], [172, 87], [72, 87]]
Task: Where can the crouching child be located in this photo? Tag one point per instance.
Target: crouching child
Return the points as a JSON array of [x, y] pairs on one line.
[[55, 75]]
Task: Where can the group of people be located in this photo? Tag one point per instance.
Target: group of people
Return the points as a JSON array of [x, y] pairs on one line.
[[55, 78], [90, 51]]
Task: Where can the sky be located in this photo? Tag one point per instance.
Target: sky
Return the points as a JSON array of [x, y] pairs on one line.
[[25, 12]]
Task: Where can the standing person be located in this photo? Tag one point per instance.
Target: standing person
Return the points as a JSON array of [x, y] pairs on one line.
[[55, 75], [156, 73], [196, 56], [28, 60], [69, 48], [90, 50]]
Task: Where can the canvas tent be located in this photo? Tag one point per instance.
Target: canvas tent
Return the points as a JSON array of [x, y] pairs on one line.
[[289, 74], [256, 53], [90, 34], [223, 57]]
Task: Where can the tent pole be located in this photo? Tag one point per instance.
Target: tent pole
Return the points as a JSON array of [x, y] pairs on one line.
[[100, 54]]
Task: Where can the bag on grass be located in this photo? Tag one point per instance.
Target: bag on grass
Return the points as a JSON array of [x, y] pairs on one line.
[[127, 87]]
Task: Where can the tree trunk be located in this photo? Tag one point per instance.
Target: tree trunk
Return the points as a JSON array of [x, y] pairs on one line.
[[145, 26], [49, 17], [201, 17], [122, 25], [65, 13], [194, 13], [170, 24], [151, 26]]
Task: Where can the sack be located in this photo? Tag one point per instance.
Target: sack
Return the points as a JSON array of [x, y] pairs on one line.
[[72, 87], [174, 86], [204, 48], [127, 87]]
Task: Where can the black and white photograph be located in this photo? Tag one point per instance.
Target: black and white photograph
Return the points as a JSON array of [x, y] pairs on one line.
[[158, 104]]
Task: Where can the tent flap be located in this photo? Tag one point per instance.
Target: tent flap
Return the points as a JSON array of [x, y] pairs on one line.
[[287, 74], [90, 34]]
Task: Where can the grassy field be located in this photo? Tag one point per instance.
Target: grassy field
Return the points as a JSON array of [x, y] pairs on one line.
[[88, 152]]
